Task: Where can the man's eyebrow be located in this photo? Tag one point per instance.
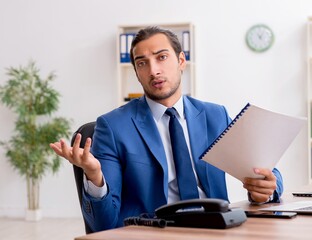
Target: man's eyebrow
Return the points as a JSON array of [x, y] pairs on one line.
[[154, 53], [162, 50]]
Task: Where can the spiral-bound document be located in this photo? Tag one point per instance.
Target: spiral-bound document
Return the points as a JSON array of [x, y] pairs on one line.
[[256, 138]]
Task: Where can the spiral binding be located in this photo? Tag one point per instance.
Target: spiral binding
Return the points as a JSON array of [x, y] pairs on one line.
[[226, 130]]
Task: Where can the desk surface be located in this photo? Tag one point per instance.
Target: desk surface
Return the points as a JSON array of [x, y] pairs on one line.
[[254, 228]]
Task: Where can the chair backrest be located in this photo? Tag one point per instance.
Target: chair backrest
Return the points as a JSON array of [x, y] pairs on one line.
[[86, 131]]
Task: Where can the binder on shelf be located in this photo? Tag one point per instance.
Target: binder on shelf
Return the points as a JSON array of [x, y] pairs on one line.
[[256, 138], [125, 45], [186, 44], [123, 48], [130, 37]]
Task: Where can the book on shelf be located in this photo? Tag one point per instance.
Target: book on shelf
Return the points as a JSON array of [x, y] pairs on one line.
[[125, 46], [186, 44], [132, 96]]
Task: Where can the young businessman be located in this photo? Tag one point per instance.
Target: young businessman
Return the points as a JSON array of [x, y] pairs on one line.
[[130, 168]]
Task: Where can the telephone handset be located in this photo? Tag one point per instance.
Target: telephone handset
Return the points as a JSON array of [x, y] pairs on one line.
[[206, 205], [201, 213]]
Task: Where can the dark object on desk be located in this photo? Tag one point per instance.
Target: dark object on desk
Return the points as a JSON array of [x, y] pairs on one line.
[[201, 213], [86, 131], [141, 221], [302, 194], [264, 214]]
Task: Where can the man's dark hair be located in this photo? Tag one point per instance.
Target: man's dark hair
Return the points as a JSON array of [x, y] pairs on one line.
[[148, 32]]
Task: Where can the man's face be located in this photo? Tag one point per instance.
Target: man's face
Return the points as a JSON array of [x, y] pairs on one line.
[[158, 69]]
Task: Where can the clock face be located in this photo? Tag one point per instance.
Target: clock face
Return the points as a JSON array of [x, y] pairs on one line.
[[259, 38]]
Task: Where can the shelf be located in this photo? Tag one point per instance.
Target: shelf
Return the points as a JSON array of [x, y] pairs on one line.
[[127, 65]]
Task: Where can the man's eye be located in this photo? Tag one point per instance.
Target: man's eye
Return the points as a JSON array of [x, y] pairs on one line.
[[140, 64], [163, 57]]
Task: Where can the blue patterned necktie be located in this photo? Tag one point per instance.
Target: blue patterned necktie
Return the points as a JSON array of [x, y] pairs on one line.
[[186, 178]]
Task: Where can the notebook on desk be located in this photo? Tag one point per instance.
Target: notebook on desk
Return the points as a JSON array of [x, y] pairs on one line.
[[300, 207]]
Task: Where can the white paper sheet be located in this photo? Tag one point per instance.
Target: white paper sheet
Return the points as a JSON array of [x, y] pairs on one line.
[[257, 138]]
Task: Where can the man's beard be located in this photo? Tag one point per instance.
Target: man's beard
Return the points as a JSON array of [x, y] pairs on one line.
[[162, 96]]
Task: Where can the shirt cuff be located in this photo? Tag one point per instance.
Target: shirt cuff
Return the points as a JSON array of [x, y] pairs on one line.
[[93, 190], [259, 203]]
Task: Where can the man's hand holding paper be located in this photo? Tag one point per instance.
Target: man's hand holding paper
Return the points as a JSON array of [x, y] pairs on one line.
[[260, 190]]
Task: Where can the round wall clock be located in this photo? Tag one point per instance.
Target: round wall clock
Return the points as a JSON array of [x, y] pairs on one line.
[[259, 38]]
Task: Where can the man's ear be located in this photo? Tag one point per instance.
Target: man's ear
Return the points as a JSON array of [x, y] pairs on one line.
[[182, 61]]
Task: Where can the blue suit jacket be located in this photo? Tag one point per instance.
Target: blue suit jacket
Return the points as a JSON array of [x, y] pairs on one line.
[[128, 145]]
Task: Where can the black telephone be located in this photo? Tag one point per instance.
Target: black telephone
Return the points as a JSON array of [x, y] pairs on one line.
[[201, 213]]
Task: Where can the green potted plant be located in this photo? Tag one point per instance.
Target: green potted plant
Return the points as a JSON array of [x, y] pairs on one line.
[[33, 99]]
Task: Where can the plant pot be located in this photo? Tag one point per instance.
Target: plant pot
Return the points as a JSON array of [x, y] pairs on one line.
[[33, 215]]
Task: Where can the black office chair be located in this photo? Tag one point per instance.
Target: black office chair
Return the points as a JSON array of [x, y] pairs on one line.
[[86, 131]]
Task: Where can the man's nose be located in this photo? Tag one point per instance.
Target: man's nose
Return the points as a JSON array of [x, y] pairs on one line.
[[154, 68]]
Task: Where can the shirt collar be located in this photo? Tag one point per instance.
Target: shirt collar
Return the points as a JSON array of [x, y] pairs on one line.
[[158, 109]]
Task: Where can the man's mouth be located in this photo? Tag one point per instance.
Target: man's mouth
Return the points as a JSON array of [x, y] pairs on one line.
[[158, 83]]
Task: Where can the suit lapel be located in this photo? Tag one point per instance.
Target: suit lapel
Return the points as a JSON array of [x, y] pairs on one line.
[[147, 128], [197, 128]]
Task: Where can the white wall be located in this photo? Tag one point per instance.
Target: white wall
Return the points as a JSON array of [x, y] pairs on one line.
[[77, 39]]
